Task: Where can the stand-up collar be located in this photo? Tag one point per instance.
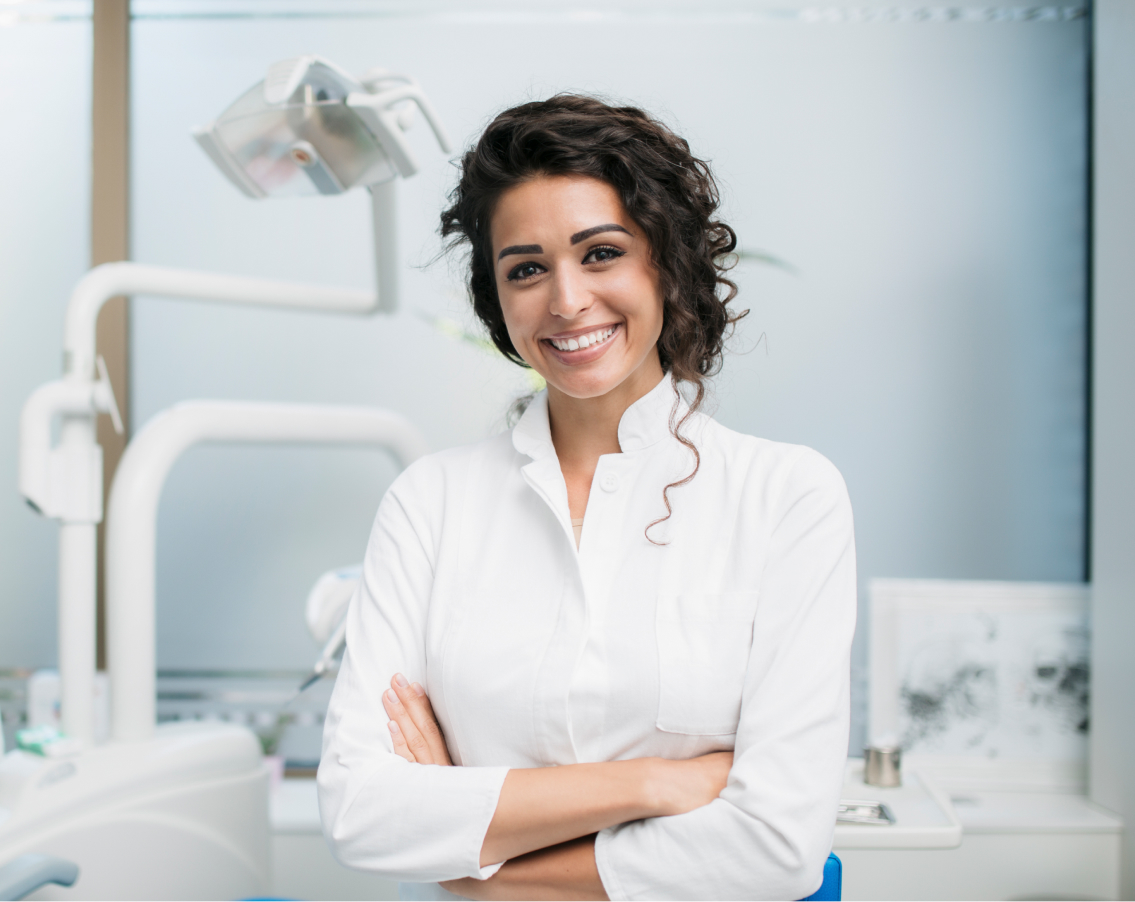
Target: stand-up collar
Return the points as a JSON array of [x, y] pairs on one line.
[[644, 423], [532, 435]]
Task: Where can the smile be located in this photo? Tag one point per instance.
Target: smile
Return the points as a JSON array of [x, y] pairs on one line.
[[582, 342]]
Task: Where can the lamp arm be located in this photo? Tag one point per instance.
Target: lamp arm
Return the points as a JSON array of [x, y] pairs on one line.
[[378, 114], [384, 218], [113, 279], [419, 97], [65, 482], [133, 509]]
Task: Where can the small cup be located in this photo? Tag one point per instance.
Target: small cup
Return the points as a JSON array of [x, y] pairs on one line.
[[882, 765]]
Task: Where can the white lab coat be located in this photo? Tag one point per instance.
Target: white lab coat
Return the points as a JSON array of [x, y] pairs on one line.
[[734, 634]]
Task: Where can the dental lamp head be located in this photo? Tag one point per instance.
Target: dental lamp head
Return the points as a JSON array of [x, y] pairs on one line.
[[311, 128]]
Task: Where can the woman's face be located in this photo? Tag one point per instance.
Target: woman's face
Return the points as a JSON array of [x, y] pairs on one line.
[[577, 287]]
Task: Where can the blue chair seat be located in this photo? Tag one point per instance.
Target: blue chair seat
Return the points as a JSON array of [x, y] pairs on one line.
[[831, 890]]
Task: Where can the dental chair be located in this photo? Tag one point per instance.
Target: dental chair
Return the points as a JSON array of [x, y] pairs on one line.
[[177, 810], [22, 877], [831, 890]]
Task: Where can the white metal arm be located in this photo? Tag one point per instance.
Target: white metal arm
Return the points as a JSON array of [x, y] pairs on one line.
[[133, 511], [65, 482], [380, 116], [113, 279]]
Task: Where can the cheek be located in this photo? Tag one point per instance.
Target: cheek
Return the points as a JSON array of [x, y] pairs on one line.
[[516, 316], [642, 303]]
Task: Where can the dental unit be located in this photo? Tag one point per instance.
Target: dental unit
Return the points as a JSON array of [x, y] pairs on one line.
[[326, 614], [180, 810]]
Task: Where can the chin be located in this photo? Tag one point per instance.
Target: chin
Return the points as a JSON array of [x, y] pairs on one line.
[[584, 386]]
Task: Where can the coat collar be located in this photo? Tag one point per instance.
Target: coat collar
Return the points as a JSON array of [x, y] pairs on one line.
[[644, 423]]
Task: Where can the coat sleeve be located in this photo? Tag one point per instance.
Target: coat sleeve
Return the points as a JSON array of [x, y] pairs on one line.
[[768, 834], [381, 813]]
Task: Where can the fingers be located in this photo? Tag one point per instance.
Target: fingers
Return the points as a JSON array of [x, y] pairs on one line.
[[413, 726], [400, 747], [404, 732], [417, 703]]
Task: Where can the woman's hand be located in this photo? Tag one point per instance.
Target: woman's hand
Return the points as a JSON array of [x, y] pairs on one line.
[[681, 786], [413, 725]]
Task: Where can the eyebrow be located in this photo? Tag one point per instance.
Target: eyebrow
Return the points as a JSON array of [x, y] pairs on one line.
[[595, 230], [575, 239], [521, 249]]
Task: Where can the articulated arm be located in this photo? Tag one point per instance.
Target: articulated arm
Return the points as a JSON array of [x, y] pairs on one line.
[[65, 482], [133, 512], [113, 279]]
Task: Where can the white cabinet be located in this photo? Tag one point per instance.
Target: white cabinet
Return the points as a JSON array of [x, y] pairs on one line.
[[1014, 845]]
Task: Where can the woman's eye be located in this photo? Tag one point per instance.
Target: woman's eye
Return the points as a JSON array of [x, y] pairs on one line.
[[524, 271], [602, 254]]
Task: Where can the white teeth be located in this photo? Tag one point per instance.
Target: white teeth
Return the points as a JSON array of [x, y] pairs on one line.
[[582, 341]]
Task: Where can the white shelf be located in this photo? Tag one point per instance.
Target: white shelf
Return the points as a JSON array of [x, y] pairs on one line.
[[924, 816]]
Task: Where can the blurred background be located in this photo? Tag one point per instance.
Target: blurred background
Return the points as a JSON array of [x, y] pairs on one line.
[[922, 175], [909, 181]]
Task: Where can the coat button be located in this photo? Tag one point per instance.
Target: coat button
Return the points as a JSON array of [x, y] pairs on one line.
[[609, 482]]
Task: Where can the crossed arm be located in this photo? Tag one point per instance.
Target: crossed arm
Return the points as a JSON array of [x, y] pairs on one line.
[[546, 818]]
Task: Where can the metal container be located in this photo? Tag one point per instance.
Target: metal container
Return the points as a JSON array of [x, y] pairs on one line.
[[882, 765]]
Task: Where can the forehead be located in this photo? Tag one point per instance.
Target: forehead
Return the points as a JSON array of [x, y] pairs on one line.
[[554, 207]]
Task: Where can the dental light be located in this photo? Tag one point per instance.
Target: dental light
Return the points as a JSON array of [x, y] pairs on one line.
[[183, 807], [311, 128]]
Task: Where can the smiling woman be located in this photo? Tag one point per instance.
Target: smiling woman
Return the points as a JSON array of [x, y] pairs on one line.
[[583, 697], [623, 164], [576, 298]]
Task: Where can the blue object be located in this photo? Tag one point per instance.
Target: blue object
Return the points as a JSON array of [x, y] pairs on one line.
[[26, 874], [831, 890]]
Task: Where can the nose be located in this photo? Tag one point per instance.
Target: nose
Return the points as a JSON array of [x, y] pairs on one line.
[[569, 296]]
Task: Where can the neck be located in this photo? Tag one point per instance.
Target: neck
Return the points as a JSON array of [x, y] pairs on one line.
[[584, 429]]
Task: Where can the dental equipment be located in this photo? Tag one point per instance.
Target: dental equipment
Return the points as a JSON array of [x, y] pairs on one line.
[[22, 877], [188, 801], [311, 128], [328, 599], [326, 615], [326, 662], [355, 131], [132, 517], [65, 481], [178, 810]]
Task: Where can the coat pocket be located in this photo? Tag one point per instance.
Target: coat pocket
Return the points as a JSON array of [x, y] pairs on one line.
[[703, 653]]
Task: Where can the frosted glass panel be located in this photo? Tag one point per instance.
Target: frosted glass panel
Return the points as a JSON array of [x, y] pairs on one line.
[[923, 176], [45, 100]]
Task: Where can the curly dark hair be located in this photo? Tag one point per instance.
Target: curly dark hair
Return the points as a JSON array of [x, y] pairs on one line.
[[669, 193]]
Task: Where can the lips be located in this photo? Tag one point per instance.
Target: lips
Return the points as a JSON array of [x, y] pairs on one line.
[[582, 346], [582, 342]]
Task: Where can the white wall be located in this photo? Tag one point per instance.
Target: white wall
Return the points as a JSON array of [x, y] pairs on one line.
[[925, 176], [1113, 423], [45, 121]]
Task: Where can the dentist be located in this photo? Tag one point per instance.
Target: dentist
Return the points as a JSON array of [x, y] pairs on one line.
[[605, 654]]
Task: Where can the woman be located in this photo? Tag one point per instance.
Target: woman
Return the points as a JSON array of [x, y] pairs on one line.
[[632, 623]]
